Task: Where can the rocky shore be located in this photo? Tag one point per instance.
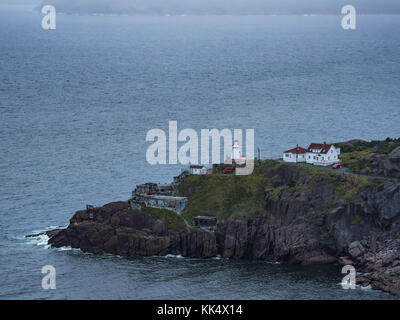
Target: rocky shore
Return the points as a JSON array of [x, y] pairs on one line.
[[303, 216], [117, 229]]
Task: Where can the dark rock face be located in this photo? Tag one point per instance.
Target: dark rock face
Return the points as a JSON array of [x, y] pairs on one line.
[[386, 165], [297, 229], [117, 229], [378, 257], [50, 233], [394, 156], [255, 239]]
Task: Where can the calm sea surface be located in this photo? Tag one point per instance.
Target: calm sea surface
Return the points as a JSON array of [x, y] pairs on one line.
[[76, 104]]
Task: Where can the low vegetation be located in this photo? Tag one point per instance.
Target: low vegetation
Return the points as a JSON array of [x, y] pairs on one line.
[[357, 220], [172, 220], [382, 147], [356, 155], [352, 157], [237, 197], [225, 196]]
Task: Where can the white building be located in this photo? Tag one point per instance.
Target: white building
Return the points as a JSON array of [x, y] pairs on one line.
[[319, 154], [237, 156], [197, 169], [297, 154], [322, 154]]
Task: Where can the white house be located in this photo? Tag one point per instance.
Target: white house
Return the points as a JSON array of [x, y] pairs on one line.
[[322, 154], [319, 154], [197, 169], [297, 154]]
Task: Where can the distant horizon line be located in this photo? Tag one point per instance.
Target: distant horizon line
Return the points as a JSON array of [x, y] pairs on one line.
[[38, 8]]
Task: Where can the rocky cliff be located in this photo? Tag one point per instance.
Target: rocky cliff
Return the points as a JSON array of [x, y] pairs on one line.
[[283, 212], [117, 229], [376, 158], [323, 218]]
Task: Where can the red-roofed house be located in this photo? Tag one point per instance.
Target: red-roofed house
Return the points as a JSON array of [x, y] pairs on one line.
[[297, 154], [197, 169], [319, 154], [322, 154]]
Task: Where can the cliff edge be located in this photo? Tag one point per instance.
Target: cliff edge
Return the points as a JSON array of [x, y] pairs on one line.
[[291, 213]]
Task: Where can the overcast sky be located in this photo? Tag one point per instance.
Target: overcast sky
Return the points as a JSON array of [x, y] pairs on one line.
[[216, 6]]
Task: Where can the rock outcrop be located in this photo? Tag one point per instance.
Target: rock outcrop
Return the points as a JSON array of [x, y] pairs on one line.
[[311, 218], [305, 226], [382, 165], [381, 158], [378, 259], [117, 229]]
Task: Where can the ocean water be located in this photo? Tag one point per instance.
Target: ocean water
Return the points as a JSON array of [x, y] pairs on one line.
[[76, 104]]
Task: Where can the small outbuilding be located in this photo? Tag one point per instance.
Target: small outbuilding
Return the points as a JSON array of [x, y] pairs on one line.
[[146, 188], [205, 222], [297, 154], [197, 169], [176, 204]]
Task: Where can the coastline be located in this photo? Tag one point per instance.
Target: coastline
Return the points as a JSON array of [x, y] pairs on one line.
[[307, 216]]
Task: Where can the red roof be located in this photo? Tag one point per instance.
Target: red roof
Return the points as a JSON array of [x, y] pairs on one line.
[[196, 167], [323, 147], [297, 150]]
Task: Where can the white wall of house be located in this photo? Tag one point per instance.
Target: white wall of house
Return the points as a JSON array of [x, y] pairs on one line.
[[291, 157], [198, 170], [331, 157]]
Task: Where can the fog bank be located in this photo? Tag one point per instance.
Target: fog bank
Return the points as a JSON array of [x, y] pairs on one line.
[[234, 7]]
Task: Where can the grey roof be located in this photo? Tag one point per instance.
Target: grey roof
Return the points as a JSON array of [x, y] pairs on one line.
[[162, 197], [205, 217]]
